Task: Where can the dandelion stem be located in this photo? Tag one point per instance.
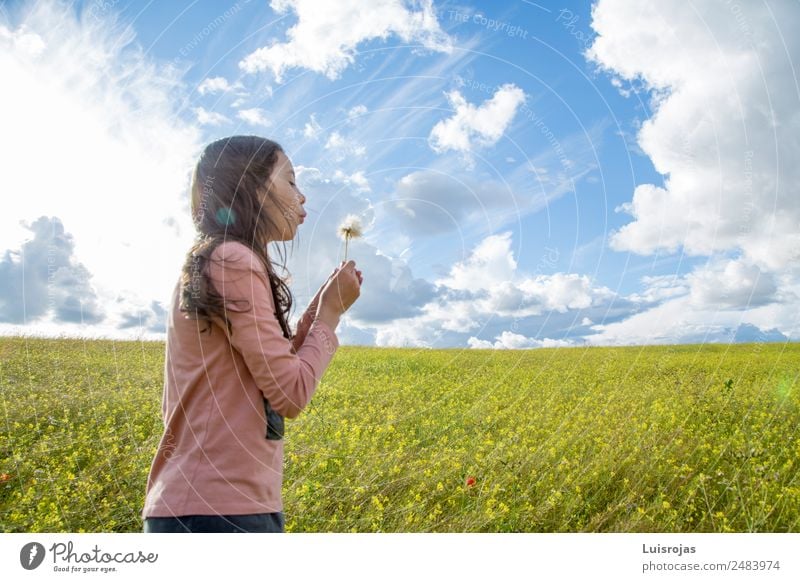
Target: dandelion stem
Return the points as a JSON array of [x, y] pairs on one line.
[[350, 228]]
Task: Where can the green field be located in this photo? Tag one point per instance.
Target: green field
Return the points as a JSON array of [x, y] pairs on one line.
[[655, 439]]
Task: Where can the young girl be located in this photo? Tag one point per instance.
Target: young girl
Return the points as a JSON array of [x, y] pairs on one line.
[[233, 368]]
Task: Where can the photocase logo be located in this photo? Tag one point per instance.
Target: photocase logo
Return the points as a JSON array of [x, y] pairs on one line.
[[31, 555]]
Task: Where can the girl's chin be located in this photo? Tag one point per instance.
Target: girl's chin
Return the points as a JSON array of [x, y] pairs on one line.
[[284, 233]]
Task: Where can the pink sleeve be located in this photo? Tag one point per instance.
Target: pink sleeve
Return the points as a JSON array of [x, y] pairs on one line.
[[287, 379], [303, 325]]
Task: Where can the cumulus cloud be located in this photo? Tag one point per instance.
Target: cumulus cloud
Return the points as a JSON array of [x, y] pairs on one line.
[[492, 269], [326, 36], [43, 278], [205, 117], [474, 126], [558, 292], [725, 131], [429, 203], [407, 333], [390, 290], [678, 321], [392, 293], [341, 147], [731, 284], [357, 180], [254, 116], [490, 263], [115, 158], [217, 85], [153, 318], [486, 290], [513, 341], [356, 112], [659, 288], [312, 129]]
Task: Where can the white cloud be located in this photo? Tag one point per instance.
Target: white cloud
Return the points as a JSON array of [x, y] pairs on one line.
[[725, 132], [731, 284], [472, 126], [722, 301], [490, 263], [486, 287], [409, 333], [479, 344], [23, 43], [342, 148], [327, 34], [357, 180], [392, 292], [42, 279], [659, 288], [558, 292], [670, 322], [357, 111], [312, 128], [112, 159], [492, 268], [254, 116], [428, 202], [205, 117], [513, 341], [217, 85], [679, 321], [451, 314]]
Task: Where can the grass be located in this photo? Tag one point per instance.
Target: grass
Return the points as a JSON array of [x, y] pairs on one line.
[[691, 438]]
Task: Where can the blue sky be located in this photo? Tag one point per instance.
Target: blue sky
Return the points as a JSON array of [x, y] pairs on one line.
[[531, 174]]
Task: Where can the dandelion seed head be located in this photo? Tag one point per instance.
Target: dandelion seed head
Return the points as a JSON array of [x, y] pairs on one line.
[[350, 227]]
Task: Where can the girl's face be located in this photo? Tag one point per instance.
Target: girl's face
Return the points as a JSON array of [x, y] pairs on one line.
[[285, 204]]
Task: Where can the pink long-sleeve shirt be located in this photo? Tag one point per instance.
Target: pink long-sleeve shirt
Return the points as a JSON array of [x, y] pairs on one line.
[[214, 457]]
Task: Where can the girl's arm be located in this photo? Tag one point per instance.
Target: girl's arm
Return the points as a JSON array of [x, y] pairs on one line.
[[287, 377], [305, 321]]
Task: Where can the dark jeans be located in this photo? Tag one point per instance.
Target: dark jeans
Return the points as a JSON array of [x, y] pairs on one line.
[[253, 522]]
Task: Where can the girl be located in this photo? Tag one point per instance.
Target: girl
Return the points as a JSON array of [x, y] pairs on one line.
[[233, 368]]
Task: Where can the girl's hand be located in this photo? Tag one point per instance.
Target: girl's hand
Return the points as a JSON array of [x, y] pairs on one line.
[[311, 310], [332, 275], [340, 292], [312, 306]]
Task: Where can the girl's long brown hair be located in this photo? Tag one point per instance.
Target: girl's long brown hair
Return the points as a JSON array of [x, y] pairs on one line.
[[226, 191]]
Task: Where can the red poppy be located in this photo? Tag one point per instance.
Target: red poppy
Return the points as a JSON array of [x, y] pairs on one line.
[[471, 481], [4, 477]]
